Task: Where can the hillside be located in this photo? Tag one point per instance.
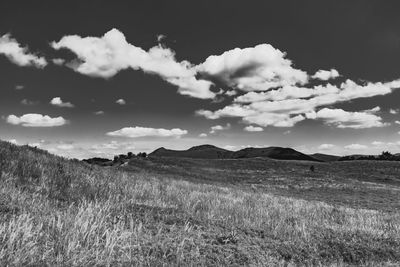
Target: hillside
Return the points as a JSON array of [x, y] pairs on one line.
[[203, 151], [213, 152], [273, 153], [59, 212], [325, 157]]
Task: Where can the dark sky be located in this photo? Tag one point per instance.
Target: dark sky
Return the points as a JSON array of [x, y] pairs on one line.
[[359, 39]]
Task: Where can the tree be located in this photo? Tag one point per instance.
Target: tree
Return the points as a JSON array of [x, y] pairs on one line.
[[386, 155], [142, 154]]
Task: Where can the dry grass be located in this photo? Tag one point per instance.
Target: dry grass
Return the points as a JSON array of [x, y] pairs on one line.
[[59, 212]]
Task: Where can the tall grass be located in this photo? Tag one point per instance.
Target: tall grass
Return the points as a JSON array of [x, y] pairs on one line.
[[61, 212]]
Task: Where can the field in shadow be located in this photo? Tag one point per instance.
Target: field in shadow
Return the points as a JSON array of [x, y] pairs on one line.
[[55, 211]]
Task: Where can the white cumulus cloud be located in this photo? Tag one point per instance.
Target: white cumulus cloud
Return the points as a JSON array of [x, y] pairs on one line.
[[57, 101], [217, 128], [256, 68], [252, 128], [325, 75], [107, 55], [36, 120]]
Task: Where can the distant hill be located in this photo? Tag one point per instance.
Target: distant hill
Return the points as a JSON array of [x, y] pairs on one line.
[[213, 152], [99, 161], [273, 153], [325, 157], [203, 152]]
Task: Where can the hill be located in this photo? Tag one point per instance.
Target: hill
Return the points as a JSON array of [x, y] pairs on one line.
[[59, 212], [325, 157], [273, 153], [213, 152], [203, 151]]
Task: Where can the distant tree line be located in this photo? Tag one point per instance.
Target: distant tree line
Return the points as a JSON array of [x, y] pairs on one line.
[[385, 155], [118, 159], [129, 155]]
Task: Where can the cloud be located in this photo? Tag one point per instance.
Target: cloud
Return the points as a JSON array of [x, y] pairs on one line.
[[57, 101], [397, 122], [65, 147], [230, 147], [218, 128], [355, 147], [35, 144], [252, 128], [106, 56], [393, 111], [19, 55], [273, 119], [161, 37], [326, 146], [36, 120], [120, 101], [258, 68], [100, 112], [325, 75], [27, 102], [13, 141], [203, 135], [111, 145], [290, 104], [287, 92], [134, 132], [58, 61], [228, 111], [19, 87], [345, 119], [377, 143], [231, 93]]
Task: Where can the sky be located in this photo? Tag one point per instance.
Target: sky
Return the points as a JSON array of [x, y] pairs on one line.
[[99, 78]]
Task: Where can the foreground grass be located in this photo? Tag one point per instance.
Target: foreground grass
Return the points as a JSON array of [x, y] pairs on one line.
[[59, 212]]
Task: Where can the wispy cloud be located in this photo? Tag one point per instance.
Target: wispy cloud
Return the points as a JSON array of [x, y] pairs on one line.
[[217, 128], [134, 132], [252, 128], [356, 147], [18, 54]]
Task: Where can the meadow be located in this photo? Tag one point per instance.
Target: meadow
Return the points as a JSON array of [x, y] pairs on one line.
[[185, 212]]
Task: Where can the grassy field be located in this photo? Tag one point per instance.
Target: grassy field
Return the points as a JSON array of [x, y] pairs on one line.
[[184, 212]]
